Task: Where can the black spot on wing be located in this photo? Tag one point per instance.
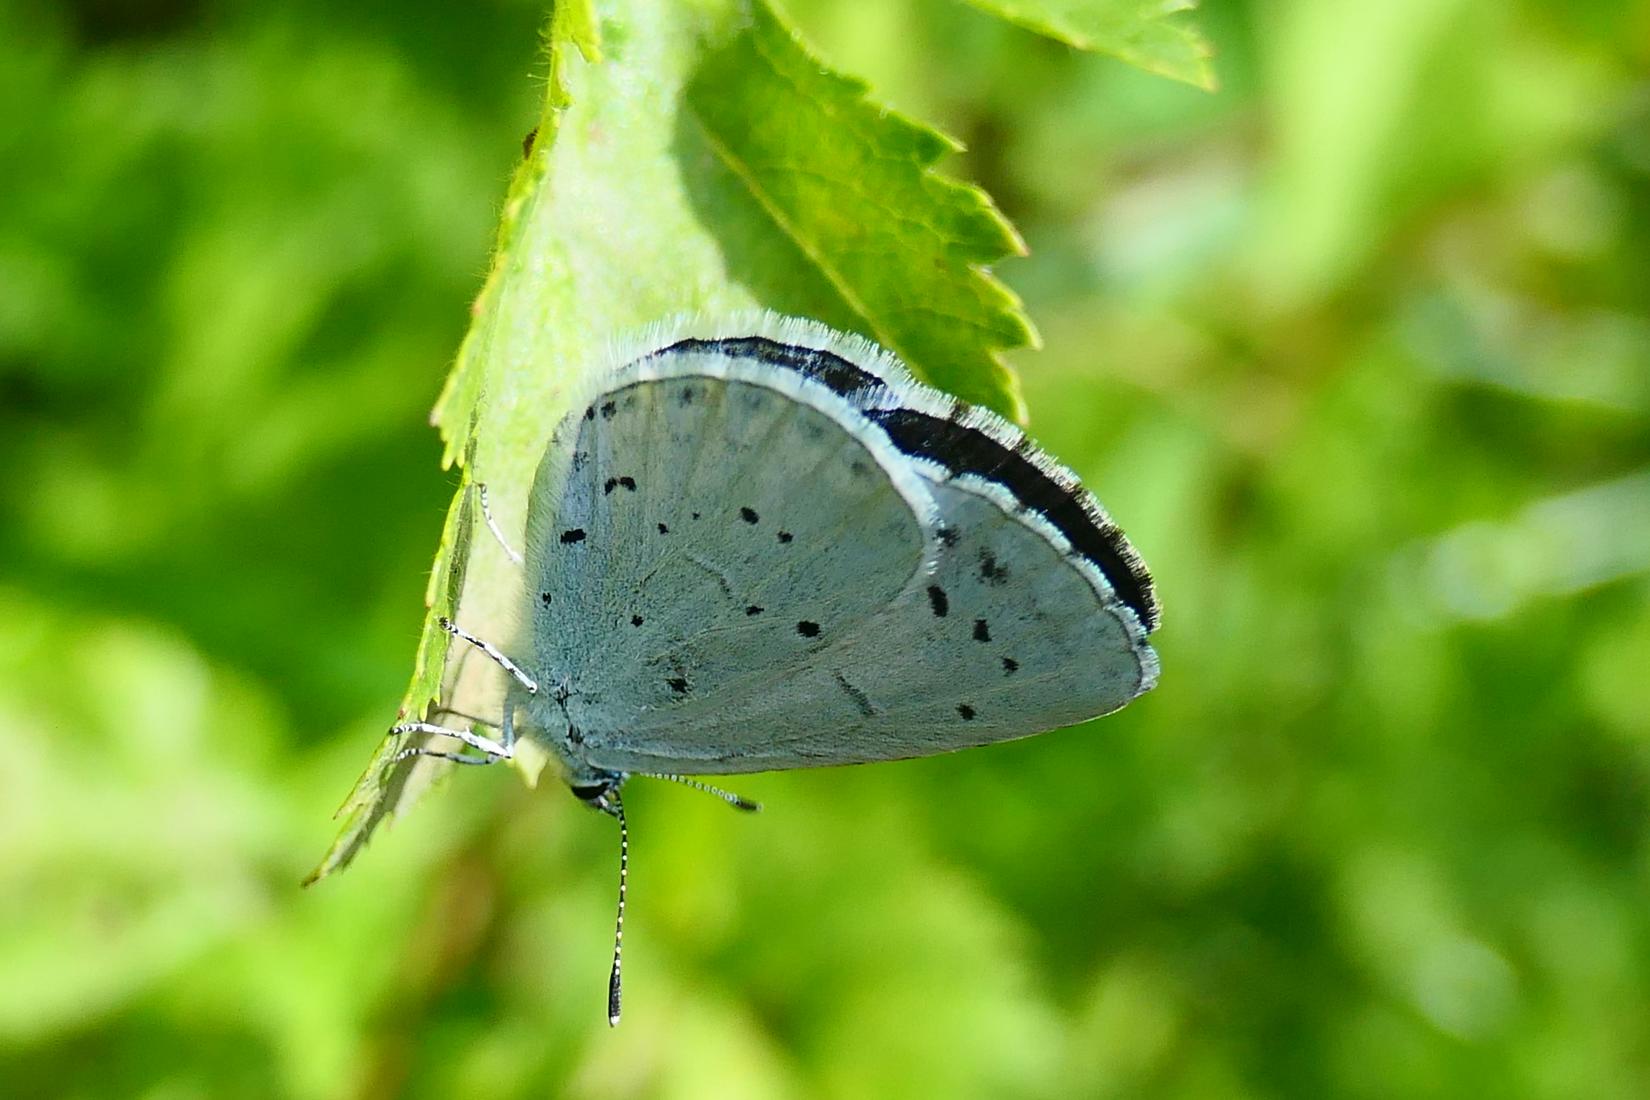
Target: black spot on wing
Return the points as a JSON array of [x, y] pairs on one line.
[[786, 536], [966, 711], [749, 515], [982, 630], [608, 409], [862, 702], [544, 598], [1010, 666], [663, 530], [807, 629], [938, 602], [636, 620], [572, 535], [992, 571], [753, 610], [628, 483], [678, 685]]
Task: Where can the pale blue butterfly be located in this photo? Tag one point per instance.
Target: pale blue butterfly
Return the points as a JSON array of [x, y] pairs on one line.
[[760, 544]]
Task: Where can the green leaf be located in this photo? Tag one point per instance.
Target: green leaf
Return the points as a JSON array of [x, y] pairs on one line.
[[848, 183], [1150, 34], [690, 158], [385, 785]]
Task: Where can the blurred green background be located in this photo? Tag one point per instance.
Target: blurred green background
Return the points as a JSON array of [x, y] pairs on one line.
[[1357, 349]]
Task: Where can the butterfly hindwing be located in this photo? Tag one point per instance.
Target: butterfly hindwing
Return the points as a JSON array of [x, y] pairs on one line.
[[1008, 637]]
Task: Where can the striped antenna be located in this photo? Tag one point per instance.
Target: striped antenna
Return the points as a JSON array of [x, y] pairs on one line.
[[729, 797], [611, 804]]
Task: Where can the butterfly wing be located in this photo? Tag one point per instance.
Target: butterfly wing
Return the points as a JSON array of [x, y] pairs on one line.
[[702, 528], [790, 554], [1013, 634]]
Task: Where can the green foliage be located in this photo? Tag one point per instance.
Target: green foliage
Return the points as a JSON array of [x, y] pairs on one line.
[[849, 184], [1356, 349], [1150, 33]]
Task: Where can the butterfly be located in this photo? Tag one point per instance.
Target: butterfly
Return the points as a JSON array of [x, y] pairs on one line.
[[761, 545]]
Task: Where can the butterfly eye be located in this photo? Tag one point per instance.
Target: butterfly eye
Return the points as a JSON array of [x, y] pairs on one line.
[[592, 793]]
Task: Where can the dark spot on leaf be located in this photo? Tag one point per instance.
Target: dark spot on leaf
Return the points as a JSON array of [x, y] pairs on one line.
[[938, 601], [982, 631], [807, 629], [966, 711], [571, 536], [527, 143], [748, 515]]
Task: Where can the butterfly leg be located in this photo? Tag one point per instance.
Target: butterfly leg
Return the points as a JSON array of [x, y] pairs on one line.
[[455, 757], [492, 653], [454, 712], [492, 750], [487, 514]]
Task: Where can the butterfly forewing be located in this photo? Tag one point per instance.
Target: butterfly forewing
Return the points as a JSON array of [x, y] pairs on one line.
[[695, 537]]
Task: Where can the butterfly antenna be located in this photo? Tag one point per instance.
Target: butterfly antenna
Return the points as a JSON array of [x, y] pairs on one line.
[[729, 797], [487, 514], [611, 804]]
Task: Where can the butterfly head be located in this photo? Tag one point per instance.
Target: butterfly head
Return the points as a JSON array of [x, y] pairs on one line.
[[598, 789]]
